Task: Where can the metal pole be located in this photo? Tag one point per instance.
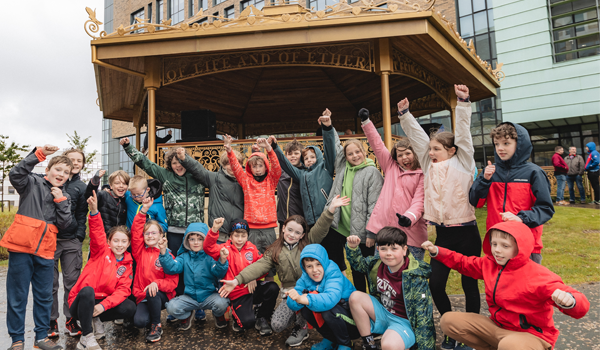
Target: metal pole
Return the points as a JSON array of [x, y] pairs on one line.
[[385, 109], [151, 132]]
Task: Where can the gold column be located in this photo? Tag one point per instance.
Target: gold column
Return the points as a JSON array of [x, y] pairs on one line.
[[385, 109], [151, 132], [137, 137]]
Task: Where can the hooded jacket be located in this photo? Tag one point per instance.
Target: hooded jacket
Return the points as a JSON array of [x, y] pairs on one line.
[[156, 211], [415, 286], [201, 273], [238, 259], [593, 160], [517, 186], [40, 215], [148, 268], [112, 208], [111, 279], [183, 195], [225, 193], [260, 210], [403, 192], [289, 199], [519, 294], [316, 180], [330, 290], [79, 209]]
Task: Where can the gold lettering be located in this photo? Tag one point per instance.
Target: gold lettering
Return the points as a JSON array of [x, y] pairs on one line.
[[242, 62], [254, 58], [226, 63], [360, 62], [311, 60], [323, 58], [214, 64], [333, 58], [181, 69], [346, 58], [265, 58], [294, 57], [171, 75], [286, 57]]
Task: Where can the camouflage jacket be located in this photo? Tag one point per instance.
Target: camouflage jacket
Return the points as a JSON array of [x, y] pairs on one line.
[[417, 296], [183, 195]]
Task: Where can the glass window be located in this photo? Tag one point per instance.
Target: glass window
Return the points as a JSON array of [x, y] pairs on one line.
[[586, 29], [466, 26], [564, 33], [491, 21], [480, 20], [229, 12], [588, 41], [321, 4], [586, 16], [590, 52], [478, 5], [176, 11], [488, 122], [464, 7], [562, 21], [137, 14], [561, 9], [190, 8], [482, 45], [564, 46], [159, 11], [582, 4], [566, 49]]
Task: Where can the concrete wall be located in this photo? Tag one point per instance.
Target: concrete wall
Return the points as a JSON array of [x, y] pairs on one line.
[[535, 87]]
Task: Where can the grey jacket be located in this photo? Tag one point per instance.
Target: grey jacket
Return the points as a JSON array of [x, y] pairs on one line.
[[576, 165], [226, 199], [366, 187]]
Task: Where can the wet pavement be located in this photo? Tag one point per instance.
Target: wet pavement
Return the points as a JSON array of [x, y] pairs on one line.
[[583, 334]]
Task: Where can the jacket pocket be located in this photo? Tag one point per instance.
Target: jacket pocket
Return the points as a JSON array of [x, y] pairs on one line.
[[25, 232], [48, 244]]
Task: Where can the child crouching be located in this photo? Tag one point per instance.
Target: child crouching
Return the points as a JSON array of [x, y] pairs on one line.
[[201, 273]]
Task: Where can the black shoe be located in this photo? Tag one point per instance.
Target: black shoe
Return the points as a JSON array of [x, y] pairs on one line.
[[571, 202], [262, 326], [462, 346], [72, 327], [155, 333], [448, 343], [53, 331], [236, 327], [220, 322], [186, 324]]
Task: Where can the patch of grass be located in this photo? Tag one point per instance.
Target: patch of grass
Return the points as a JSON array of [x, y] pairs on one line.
[[6, 219]]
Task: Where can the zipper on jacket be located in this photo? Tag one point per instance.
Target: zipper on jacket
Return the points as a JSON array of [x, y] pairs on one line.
[[494, 294], [312, 209], [187, 202], [42, 238], [505, 192], [287, 215]]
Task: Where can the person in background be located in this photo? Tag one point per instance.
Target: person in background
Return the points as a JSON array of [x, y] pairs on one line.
[[158, 140], [576, 168], [592, 166], [560, 173]]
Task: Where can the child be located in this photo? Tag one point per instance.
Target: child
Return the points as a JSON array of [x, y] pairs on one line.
[[141, 188], [152, 287], [560, 173], [448, 167], [520, 293], [321, 295], [242, 253], [284, 256], [514, 189], [258, 183], [68, 245], [358, 179], [111, 204], [226, 197], [289, 199], [316, 177], [31, 243], [400, 296], [101, 292], [592, 166], [202, 274], [401, 201]]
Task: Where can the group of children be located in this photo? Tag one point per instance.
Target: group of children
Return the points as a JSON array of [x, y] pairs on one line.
[[151, 250]]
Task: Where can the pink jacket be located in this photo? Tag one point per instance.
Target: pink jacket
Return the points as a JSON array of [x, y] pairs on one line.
[[402, 193]]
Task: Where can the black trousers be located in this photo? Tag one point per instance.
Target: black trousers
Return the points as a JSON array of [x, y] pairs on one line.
[[593, 177], [334, 243], [464, 240], [148, 312], [265, 294], [360, 279], [335, 328], [82, 309], [175, 240]]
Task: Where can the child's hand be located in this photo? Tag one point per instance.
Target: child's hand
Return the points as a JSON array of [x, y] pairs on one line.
[[293, 294], [146, 204], [562, 298], [370, 242], [264, 144], [490, 169], [433, 250], [170, 132], [227, 142], [101, 173], [508, 216], [181, 153], [338, 202], [224, 253], [272, 140], [325, 119], [462, 91], [152, 288], [227, 287], [98, 309], [93, 203], [403, 220], [48, 149], [403, 104], [251, 286], [353, 241], [163, 243], [217, 223], [124, 141], [255, 148], [57, 192]]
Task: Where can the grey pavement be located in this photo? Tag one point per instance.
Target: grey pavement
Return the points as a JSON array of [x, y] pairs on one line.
[[583, 334]]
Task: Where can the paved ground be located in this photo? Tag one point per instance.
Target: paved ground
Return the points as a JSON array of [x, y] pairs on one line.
[[583, 334]]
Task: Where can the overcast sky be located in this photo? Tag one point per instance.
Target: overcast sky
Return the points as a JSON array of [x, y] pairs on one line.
[[47, 79]]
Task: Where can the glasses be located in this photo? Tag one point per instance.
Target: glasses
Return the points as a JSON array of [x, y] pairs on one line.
[[140, 196], [151, 233]]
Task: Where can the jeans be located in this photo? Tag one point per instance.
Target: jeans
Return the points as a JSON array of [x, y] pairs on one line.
[[182, 306], [570, 181], [561, 180], [24, 270]]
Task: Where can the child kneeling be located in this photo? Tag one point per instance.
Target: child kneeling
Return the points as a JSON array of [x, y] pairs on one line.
[[201, 277], [400, 306], [520, 293], [321, 295]]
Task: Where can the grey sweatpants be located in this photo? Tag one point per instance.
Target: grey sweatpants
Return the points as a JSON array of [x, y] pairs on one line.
[[68, 252], [283, 317]]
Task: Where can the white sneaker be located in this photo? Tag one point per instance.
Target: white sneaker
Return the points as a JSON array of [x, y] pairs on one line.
[[118, 321], [98, 328], [88, 342]]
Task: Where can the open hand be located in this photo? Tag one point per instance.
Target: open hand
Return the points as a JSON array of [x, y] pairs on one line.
[[217, 223], [147, 203], [124, 141], [181, 153], [227, 142], [57, 192], [433, 250], [227, 287], [152, 289], [261, 142], [490, 169], [338, 202], [272, 140], [251, 286], [562, 298], [508, 216], [353, 241], [462, 91], [93, 203], [48, 149]]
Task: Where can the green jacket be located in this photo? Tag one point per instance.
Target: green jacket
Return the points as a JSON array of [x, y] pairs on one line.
[[183, 195], [417, 296], [288, 269]]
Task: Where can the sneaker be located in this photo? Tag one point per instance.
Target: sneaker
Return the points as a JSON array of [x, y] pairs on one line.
[[18, 345], [53, 331], [344, 347], [186, 324], [200, 315], [462, 346], [323, 345], [571, 202], [118, 321], [88, 342], [597, 202], [46, 344], [370, 347], [262, 326], [220, 322], [583, 202], [235, 326], [171, 319], [98, 327], [72, 327], [448, 343], [155, 333], [298, 335]]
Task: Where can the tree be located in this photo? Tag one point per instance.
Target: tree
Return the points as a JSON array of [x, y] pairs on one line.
[[78, 142], [9, 157]]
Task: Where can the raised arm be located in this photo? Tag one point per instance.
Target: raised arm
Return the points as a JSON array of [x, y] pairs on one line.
[[199, 172], [170, 265], [470, 266], [19, 174], [285, 164], [381, 152], [98, 242], [63, 209], [355, 257], [321, 228], [331, 142], [168, 283], [142, 161], [210, 245], [137, 235], [462, 132], [416, 135], [236, 167]]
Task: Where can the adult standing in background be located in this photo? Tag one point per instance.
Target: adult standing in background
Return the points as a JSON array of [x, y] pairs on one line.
[[592, 166], [574, 175], [158, 140], [560, 173]]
